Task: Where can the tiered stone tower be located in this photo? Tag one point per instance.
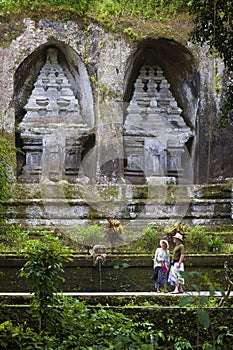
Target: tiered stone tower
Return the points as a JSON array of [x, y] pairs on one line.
[[53, 132], [155, 132]]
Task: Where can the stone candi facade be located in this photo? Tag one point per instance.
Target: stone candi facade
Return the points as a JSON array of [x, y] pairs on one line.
[[62, 93]]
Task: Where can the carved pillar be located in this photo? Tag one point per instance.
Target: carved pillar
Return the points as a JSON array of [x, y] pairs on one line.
[[33, 150], [174, 162]]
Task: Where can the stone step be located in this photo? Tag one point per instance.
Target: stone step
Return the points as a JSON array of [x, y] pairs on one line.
[[65, 205]]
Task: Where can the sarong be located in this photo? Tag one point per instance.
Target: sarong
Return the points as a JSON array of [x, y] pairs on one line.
[[175, 274]]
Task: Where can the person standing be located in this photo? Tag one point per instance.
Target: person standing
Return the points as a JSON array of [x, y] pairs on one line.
[[161, 263], [177, 265]]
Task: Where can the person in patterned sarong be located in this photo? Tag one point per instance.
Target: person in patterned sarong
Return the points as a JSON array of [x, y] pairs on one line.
[[161, 263]]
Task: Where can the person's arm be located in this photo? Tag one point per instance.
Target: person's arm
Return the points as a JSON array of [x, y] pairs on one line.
[[180, 260], [155, 257], [168, 258]]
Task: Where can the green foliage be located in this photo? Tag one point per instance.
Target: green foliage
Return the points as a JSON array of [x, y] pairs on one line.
[[19, 337], [213, 25], [129, 31], [180, 343], [101, 328], [158, 9], [149, 240], [198, 240], [88, 236], [7, 153], [13, 237], [75, 323], [215, 244], [199, 304], [102, 9], [6, 175], [44, 267], [80, 6]]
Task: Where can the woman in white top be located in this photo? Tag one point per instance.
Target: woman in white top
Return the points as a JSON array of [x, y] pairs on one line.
[[162, 262]]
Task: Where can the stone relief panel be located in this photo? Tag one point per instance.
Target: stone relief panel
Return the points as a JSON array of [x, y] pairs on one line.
[[154, 131], [53, 132]]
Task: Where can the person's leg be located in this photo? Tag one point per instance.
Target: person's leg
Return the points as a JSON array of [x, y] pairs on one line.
[[176, 290], [180, 288], [159, 280]]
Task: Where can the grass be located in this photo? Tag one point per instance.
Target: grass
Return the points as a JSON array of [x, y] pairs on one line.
[[130, 21]]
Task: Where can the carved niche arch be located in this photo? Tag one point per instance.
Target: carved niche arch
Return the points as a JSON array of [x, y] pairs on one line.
[[160, 99], [54, 114]]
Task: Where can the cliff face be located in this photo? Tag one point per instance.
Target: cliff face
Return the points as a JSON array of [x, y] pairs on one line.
[[119, 123], [102, 69]]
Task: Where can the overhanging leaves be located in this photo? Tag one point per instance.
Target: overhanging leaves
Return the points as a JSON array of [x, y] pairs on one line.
[[203, 318]]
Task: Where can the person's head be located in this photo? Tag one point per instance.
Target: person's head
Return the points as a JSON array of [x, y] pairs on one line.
[[164, 244], [178, 238]]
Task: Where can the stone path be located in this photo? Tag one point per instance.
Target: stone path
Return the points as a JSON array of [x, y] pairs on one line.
[[89, 294]]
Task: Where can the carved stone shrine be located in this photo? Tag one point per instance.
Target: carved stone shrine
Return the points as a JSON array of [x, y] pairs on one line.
[[155, 133], [53, 132]]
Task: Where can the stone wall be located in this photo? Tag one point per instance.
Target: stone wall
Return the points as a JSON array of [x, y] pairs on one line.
[[69, 206], [119, 273]]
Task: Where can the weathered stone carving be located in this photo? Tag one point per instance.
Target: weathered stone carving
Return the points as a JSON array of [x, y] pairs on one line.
[[53, 132], [155, 132]]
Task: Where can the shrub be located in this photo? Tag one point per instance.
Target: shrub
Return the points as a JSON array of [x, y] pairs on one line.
[[88, 236], [44, 267], [215, 244], [78, 327], [196, 239], [13, 237], [149, 240]]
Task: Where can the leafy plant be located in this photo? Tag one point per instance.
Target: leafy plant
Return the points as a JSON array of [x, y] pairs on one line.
[[129, 31], [149, 240], [75, 323], [44, 267], [196, 239], [213, 25], [80, 6], [215, 244], [13, 237], [88, 236], [199, 304]]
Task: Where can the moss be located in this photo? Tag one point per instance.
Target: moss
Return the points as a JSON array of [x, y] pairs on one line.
[[217, 191], [27, 191], [11, 26], [140, 192], [108, 192], [132, 28]]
